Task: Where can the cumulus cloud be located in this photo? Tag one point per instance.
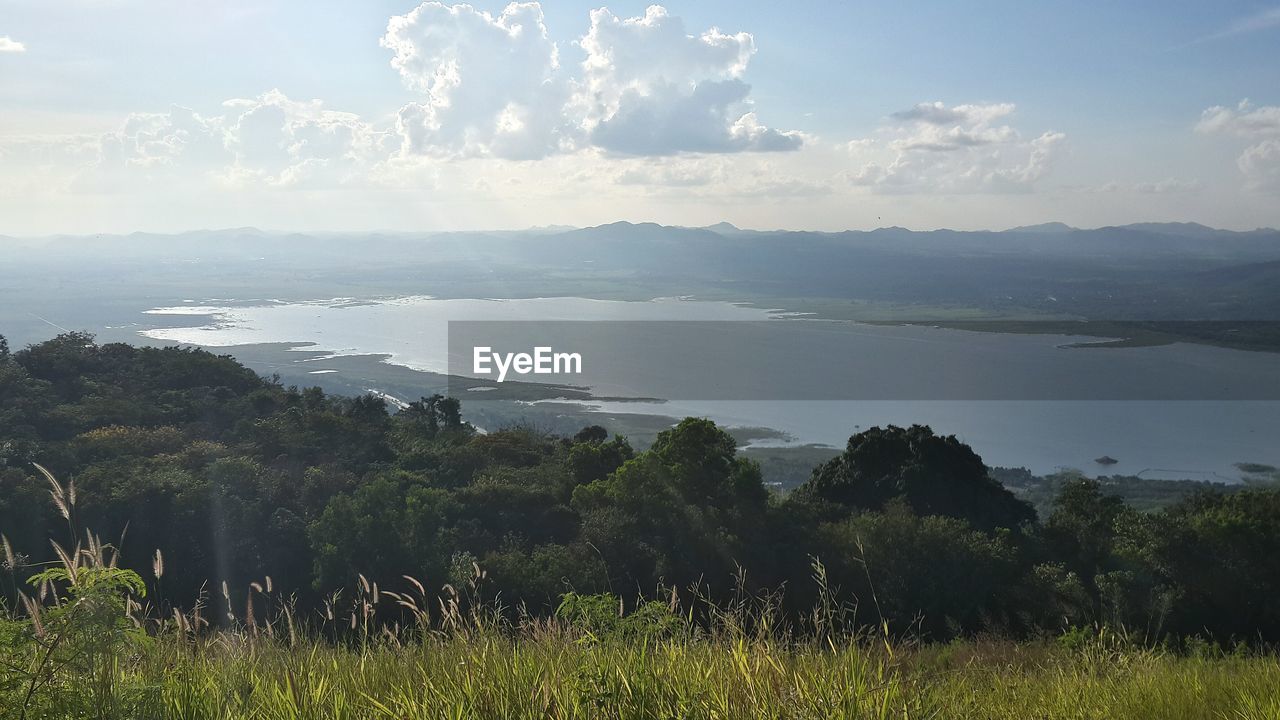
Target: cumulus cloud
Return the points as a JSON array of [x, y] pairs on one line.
[[9, 45], [489, 87], [1244, 120], [35, 165], [937, 113], [492, 83], [494, 86], [283, 141], [933, 147], [1261, 165], [269, 140], [651, 88], [1259, 162], [179, 137]]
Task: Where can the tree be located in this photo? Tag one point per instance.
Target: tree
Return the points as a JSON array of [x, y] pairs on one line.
[[388, 527], [591, 458], [435, 413], [931, 474], [934, 573], [687, 509], [1206, 566], [1081, 533], [703, 463]]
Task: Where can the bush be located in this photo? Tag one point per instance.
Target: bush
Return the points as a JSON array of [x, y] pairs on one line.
[[602, 615]]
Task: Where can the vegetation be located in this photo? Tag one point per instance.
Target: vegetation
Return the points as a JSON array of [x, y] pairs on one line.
[[590, 662], [518, 574], [1139, 493]]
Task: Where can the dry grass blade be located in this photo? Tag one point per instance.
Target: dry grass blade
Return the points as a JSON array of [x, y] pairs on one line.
[[422, 591], [56, 491], [70, 561], [33, 611], [10, 559]]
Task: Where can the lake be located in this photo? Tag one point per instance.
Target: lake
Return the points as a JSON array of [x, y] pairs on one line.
[[1184, 411]]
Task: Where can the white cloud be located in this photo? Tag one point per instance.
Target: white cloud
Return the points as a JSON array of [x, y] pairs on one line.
[[651, 88], [492, 84], [158, 146], [9, 45], [1260, 126], [269, 140], [492, 88], [959, 149], [37, 165], [1244, 120], [937, 113], [1261, 166], [283, 142]]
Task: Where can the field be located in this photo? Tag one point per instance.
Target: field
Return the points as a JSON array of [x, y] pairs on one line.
[[555, 672], [96, 648]]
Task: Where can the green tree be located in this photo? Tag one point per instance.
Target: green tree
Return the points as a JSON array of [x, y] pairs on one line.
[[688, 509], [933, 574], [1081, 534], [931, 474]]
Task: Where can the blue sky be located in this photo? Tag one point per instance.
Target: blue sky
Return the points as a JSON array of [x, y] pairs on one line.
[[118, 115]]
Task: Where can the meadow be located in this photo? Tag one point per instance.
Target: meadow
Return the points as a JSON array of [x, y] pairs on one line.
[[558, 673], [93, 649], [88, 644]]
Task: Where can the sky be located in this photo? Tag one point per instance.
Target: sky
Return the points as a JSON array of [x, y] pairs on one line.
[[171, 115]]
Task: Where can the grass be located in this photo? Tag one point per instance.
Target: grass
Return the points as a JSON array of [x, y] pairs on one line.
[[88, 645], [557, 673]]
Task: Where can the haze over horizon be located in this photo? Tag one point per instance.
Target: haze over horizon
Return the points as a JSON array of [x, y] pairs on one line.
[[132, 116], [1047, 227]]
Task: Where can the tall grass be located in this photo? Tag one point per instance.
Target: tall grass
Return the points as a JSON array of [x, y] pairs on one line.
[[86, 644], [554, 673]]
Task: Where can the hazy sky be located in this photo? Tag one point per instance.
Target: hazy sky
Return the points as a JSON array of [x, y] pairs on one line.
[[120, 115]]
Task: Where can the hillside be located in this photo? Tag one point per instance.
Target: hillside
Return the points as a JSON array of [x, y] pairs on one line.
[[265, 551], [233, 477]]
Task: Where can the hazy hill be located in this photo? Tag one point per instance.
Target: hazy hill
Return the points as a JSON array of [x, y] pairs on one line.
[[1145, 271]]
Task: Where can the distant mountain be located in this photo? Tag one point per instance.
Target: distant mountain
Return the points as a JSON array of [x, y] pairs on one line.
[[629, 231], [1049, 227], [1146, 271], [1181, 229], [724, 228], [549, 229]]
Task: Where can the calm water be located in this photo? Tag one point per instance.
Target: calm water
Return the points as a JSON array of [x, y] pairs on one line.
[[1195, 438]]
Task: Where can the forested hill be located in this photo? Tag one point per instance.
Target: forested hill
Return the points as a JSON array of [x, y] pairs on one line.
[[233, 478]]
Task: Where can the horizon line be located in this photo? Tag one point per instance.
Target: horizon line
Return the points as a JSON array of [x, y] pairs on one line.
[[1047, 227]]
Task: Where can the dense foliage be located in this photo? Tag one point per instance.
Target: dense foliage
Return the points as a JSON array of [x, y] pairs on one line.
[[235, 478]]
